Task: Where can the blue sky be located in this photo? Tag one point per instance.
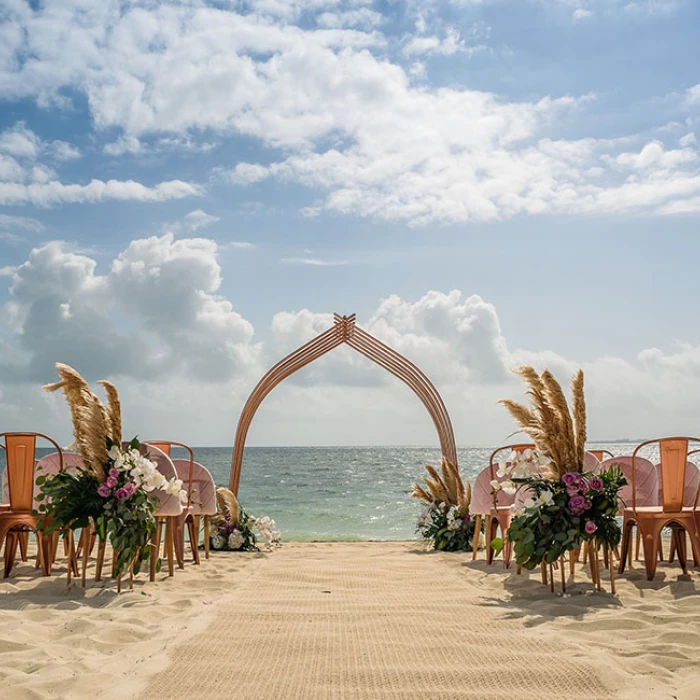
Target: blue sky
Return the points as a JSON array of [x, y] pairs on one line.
[[188, 189]]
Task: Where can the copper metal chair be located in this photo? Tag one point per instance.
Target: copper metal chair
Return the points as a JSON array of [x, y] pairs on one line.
[[501, 512], [20, 451], [651, 520], [600, 454]]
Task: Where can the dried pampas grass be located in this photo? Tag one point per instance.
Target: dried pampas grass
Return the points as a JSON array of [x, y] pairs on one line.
[[93, 422], [549, 421], [446, 487]]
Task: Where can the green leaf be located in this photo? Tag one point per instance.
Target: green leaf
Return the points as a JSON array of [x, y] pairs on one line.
[[497, 544]]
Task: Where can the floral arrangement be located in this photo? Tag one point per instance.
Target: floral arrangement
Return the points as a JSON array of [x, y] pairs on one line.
[[445, 521], [558, 516], [236, 531], [561, 506], [114, 491], [446, 528]]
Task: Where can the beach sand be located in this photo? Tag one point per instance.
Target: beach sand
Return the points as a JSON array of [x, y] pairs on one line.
[[350, 620]]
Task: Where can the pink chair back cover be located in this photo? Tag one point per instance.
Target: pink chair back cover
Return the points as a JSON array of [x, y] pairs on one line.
[[46, 466], [203, 497], [692, 482], [590, 462], [168, 506], [647, 481], [482, 500]]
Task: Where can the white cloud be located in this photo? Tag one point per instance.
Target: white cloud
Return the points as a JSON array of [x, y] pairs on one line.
[[46, 194], [692, 95], [199, 219], [237, 245], [166, 288], [20, 222], [448, 45], [581, 14], [314, 262]]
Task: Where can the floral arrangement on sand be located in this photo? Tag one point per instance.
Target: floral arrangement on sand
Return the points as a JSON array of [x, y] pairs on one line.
[[560, 505], [445, 521], [236, 531], [114, 490]]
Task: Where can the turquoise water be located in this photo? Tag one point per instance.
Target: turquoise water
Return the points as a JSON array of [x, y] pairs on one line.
[[338, 493]]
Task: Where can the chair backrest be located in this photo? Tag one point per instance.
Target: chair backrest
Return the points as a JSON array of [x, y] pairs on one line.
[[692, 481], [166, 446], [499, 498], [672, 470], [696, 454], [591, 463], [20, 452], [600, 455], [482, 494], [51, 464], [168, 505], [202, 498], [646, 481]]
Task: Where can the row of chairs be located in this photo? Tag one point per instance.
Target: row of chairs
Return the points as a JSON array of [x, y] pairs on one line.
[[19, 492], [665, 495]]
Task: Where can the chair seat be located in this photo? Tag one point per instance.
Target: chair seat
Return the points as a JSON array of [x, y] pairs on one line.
[[658, 511]]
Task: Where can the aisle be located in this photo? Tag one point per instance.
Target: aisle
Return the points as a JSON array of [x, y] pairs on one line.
[[366, 621]]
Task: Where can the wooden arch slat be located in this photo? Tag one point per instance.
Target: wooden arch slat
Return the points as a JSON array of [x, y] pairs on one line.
[[345, 331]]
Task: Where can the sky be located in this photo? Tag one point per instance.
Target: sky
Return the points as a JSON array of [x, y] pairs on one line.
[[189, 190]]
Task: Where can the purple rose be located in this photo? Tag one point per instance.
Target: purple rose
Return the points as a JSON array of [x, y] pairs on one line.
[[571, 478], [577, 504], [111, 482], [122, 494], [104, 491], [114, 473], [573, 490], [130, 488], [596, 483], [590, 527]]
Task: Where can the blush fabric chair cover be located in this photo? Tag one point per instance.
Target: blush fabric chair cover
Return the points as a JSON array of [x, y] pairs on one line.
[[590, 462], [203, 496], [168, 505], [647, 481]]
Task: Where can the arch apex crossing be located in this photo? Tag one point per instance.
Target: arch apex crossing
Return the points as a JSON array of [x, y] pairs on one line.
[[345, 331]]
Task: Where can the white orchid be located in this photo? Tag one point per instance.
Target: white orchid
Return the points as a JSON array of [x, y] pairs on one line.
[[235, 539], [545, 498], [509, 487]]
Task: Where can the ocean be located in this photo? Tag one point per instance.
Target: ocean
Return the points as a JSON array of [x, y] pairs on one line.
[[338, 493]]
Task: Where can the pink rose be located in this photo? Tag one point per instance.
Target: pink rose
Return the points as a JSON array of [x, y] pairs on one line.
[[114, 473], [104, 491], [590, 527], [122, 494], [111, 482]]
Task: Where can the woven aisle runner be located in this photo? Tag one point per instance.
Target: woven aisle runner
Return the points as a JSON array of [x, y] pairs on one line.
[[372, 621]]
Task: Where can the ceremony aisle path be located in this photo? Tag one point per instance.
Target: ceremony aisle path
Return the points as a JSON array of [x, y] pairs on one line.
[[368, 621]]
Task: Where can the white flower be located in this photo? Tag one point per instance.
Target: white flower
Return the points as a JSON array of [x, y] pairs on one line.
[[509, 487], [530, 503], [114, 453], [235, 539], [545, 498], [217, 541], [496, 485], [503, 469], [517, 512], [173, 487]]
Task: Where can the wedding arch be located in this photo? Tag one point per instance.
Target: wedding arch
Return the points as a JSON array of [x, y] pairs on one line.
[[345, 331]]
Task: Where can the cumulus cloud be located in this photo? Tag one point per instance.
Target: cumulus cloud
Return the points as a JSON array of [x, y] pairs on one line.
[[314, 262], [62, 309]]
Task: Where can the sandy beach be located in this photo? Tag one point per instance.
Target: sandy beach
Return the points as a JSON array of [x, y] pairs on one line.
[[350, 620]]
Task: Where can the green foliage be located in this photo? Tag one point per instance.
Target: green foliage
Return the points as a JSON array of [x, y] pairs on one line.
[[68, 500], [448, 530], [548, 526], [235, 535]]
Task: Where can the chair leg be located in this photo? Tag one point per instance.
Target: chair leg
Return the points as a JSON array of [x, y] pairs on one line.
[[155, 549], [650, 542], [11, 541], [491, 530], [672, 553], [627, 529], [475, 538], [678, 536], [23, 545], [170, 546], [179, 541], [206, 535], [637, 545], [193, 532]]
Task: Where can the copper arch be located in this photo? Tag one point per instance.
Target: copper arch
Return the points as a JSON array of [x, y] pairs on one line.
[[345, 331]]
